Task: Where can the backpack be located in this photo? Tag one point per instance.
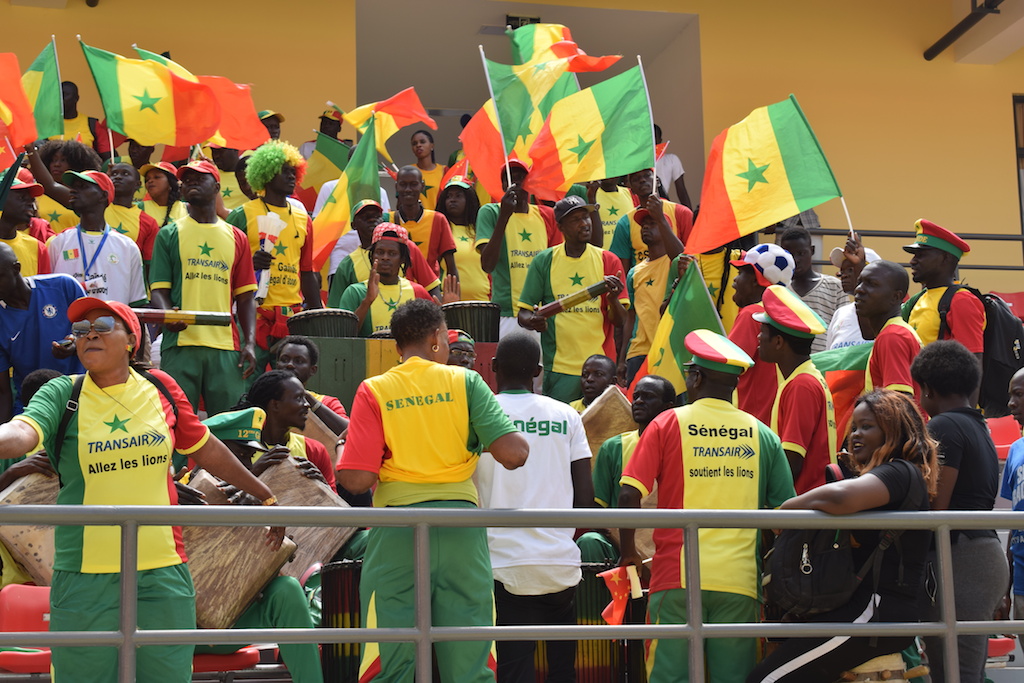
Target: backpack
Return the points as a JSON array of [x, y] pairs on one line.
[[811, 571]]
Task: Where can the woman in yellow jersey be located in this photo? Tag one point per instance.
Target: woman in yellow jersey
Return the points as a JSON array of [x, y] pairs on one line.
[[459, 204], [109, 435], [433, 172], [48, 165], [164, 203]]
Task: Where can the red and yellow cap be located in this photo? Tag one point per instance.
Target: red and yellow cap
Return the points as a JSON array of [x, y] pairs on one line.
[[389, 231], [95, 177], [331, 113], [715, 352], [787, 312], [267, 113], [199, 166], [931, 236], [460, 336], [33, 187], [165, 166]]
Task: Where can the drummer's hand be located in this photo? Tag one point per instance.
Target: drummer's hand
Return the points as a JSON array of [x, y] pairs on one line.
[[275, 537], [452, 290], [684, 262], [262, 260], [311, 471], [188, 495], [614, 284], [240, 497], [36, 464], [275, 455], [175, 327]]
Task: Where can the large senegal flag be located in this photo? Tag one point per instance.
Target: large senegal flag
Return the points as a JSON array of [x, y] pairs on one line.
[[762, 170], [844, 371], [603, 131], [544, 42], [328, 160], [42, 87], [358, 181], [398, 111], [523, 97], [689, 309], [151, 104], [482, 144]]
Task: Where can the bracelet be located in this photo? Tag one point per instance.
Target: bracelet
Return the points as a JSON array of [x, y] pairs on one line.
[[270, 501]]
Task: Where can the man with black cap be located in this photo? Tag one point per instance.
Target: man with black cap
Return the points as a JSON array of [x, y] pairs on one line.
[[572, 336], [936, 255]]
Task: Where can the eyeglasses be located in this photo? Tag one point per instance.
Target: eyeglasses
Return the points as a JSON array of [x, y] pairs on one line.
[[102, 325], [459, 353]]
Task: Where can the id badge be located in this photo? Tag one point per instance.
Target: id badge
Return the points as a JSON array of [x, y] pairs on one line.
[[94, 285]]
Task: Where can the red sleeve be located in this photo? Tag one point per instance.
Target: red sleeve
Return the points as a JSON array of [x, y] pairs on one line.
[[40, 229], [554, 234], [306, 255], [745, 330], [891, 359], [420, 292], [148, 229], [43, 267], [334, 405], [317, 454], [242, 274], [684, 222], [365, 448], [797, 418], [660, 437], [419, 271], [966, 320], [188, 432], [443, 231]]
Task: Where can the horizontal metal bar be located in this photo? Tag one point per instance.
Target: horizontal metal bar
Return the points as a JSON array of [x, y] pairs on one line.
[[228, 515], [910, 234]]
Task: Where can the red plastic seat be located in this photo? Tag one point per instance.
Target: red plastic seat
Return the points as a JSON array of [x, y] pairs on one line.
[[1016, 301], [1000, 647], [1005, 430], [246, 658]]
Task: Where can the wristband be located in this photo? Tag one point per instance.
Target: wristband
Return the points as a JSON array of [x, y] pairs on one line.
[[270, 501]]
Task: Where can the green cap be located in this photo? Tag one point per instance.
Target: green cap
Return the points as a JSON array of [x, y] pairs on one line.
[[245, 426]]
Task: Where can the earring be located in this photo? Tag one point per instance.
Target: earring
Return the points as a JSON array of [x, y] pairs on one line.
[[128, 348], [435, 348]]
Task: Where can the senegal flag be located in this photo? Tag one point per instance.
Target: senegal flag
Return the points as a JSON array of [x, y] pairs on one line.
[[601, 132], [522, 92], [151, 104], [844, 371], [328, 160], [689, 309], [762, 170], [398, 111], [544, 42], [42, 87], [17, 127], [358, 181]]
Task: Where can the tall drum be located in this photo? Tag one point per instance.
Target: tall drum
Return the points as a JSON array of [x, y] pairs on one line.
[[340, 609], [324, 322], [479, 318]]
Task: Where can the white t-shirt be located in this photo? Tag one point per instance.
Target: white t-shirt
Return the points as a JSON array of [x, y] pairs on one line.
[[668, 167], [844, 330], [535, 561], [116, 273]]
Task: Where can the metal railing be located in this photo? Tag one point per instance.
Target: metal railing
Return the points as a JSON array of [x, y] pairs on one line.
[[129, 518]]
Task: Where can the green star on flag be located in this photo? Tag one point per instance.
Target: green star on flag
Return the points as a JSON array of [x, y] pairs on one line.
[[116, 424], [577, 279], [147, 102], [205, 248], [525, 236], [55, 216], [581, 148], [754, 174], [121, 229]]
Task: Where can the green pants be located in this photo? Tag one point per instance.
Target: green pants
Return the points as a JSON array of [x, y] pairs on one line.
[[594, 547], [564, 388], [729, 660], [461, 594], [90, 602], [281, 605], [211, 373]]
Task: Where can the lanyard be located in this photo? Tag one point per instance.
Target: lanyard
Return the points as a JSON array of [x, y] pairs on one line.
[[81, 246]]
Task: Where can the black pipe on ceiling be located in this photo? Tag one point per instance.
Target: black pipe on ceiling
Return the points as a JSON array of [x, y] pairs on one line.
[[978, 11]]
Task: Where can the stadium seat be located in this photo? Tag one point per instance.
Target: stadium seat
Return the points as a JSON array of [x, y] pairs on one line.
[[246, 658], [1016, 301], [1005, 431]]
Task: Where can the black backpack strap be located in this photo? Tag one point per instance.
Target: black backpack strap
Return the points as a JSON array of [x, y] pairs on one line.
[[944, 305], [162, 388], [70, 408]]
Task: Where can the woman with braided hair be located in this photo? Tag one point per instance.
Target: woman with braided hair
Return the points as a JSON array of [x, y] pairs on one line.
[[164, 203]]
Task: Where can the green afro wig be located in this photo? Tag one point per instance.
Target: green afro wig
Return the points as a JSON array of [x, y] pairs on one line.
[[267, 161]]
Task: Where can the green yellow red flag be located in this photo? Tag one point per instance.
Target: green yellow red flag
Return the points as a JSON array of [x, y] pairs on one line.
[[544, 42], [600, 132], [42, 88], [482, 143], [358, 181], [328, 160], [844, 370], [151, 104], [16, 121], [762, 170], [398, 111]]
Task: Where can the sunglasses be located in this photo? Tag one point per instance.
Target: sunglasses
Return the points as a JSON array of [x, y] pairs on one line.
[[102, 325]]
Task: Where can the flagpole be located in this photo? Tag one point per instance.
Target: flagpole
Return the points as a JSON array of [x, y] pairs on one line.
[[497, 119], [849, 223], [654, 148], [53, 40], [110, 141]]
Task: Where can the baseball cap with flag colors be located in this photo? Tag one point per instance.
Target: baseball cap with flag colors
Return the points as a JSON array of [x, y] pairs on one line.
[[772, 264], [932, 236], [201, 166], [94, 177], [35, 188], [239, 425], [787, 312], [712, 351]]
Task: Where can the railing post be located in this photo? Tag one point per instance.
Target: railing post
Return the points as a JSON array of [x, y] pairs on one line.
[[424, 619], [694, 601], [129, 600], [947, 603]]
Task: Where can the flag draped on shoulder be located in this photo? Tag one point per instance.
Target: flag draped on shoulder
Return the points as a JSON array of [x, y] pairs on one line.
[[42, 88], [689, 309], [358, 181], [148, 102], [600, 132], [328, 160], [845, 371], [398, 111], [543, 42], [762, 170]]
